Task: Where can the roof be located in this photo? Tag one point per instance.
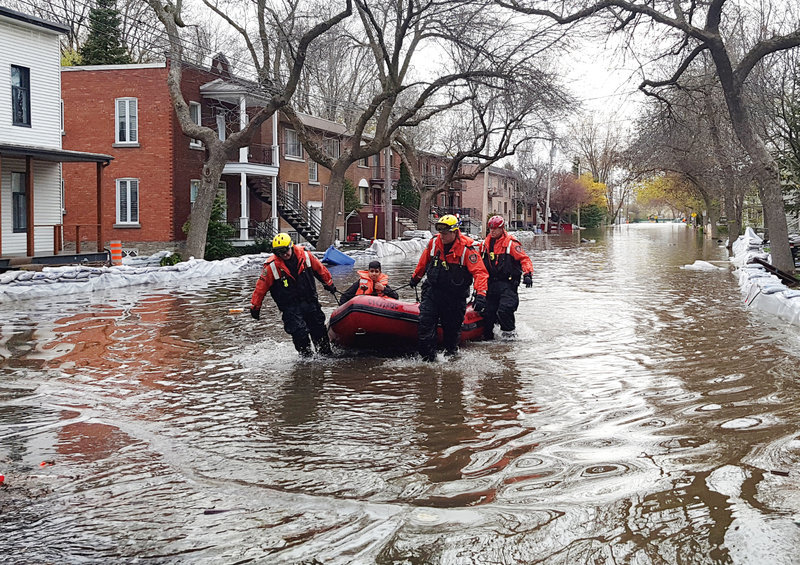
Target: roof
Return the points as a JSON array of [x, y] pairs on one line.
[[322, 124], [32, 20], [57, 155]]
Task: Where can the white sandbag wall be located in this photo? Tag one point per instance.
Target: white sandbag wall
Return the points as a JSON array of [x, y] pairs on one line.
[[760, 289]]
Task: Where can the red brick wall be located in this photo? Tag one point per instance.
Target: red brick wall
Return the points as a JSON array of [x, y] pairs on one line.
[[89, 103]]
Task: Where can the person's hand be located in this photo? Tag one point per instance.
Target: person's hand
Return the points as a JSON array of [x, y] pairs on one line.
[[255, 313], [330, 288], [479, 305], [414, 282], [379, 287], [528, 280]]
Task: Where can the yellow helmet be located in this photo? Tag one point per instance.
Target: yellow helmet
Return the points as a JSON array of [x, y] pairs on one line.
[[281, 243], [447, 223]]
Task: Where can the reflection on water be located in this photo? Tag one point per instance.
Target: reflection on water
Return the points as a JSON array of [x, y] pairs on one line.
[[642, 415]]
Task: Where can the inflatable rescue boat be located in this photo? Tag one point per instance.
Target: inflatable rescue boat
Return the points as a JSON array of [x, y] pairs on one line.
[[377, 322]]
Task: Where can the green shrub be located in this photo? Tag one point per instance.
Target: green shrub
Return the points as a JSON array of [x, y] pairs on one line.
[[170, 260]]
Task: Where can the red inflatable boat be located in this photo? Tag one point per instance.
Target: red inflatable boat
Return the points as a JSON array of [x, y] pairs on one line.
[[375, 322]]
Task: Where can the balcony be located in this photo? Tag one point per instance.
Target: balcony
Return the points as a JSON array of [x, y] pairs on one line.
[[378, 173], [260, 153]]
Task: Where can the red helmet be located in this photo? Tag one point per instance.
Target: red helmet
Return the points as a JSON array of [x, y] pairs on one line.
[[496, 222]]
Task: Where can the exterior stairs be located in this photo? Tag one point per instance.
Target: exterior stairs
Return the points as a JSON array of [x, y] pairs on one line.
[[289, 207]]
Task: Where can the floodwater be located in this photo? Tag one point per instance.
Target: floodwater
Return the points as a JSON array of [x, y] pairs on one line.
[[642, 415]]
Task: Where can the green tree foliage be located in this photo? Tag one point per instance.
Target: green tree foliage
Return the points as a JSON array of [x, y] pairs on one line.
[[592, 215], [407, 195], [351, 201], [103, 45]]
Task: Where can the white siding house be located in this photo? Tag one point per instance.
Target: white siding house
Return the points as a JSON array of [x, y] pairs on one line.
[[30, 136]]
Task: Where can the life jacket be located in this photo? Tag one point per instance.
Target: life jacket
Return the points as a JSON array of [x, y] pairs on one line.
[[445, 275], [286, 289], [499, 263], [366, 286]]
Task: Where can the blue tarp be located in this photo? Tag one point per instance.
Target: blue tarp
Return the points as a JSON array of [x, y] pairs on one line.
[[335, 257]]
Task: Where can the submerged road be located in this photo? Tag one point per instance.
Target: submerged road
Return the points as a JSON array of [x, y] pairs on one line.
[[642, 415]]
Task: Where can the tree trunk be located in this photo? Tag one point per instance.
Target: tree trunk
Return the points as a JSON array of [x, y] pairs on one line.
[[202, 207], [424, 212], [331, 204], [766, 169]]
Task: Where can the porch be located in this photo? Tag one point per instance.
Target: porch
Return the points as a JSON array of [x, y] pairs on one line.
[[32, 232]]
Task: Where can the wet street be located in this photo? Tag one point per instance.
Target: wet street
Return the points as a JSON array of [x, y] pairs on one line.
[[642, 415]]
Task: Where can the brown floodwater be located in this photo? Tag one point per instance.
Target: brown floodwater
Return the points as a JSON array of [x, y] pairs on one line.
[[642, 415]]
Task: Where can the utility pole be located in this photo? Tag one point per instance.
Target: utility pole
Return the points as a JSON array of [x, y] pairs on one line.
[[387, 195], [549, 179]]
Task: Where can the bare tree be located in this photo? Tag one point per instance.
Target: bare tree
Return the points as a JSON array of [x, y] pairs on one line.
[[698, 27], [473, 46], [501, 117], [266, 50]]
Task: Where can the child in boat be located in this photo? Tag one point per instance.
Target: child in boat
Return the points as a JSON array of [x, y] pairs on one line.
[[372, 282]]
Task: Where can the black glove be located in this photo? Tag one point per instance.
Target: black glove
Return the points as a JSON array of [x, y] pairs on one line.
[[330, 288], [255, 313], [413, 282], [479, 305], [528, 280]]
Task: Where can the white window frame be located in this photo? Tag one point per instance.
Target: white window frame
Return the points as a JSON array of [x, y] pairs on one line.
[[221, 132], [293, 145], [125, 184], [313, 172], [197, 119], [21, 96], [132, 132]]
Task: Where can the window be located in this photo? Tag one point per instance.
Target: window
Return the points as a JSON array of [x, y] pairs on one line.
[[194, 189], [293, 147], [127, 121], [20, 96], [332, 146], [294, 191], [313, 172], [364, 162], [196, 113], [19, 202], [221, 125], [127, 201]]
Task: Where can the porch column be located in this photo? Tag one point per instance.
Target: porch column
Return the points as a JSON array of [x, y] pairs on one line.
[[244, 207], [29, 203], [244, 204], [100, 245], [276, 156], [274, 205]]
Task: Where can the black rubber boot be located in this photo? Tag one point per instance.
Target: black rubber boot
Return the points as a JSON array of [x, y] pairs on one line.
[[303, 345], [324, 346]]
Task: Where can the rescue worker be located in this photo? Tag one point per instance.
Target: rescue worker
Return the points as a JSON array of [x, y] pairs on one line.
[[506, 263], [289, 277], [451, 263], [372, 282]]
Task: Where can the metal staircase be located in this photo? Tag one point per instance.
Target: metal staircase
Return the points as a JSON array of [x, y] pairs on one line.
[[290, 208]]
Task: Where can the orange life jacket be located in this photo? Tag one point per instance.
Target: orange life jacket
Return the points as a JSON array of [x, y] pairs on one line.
[[365, 283]]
